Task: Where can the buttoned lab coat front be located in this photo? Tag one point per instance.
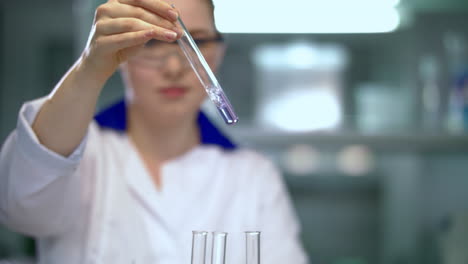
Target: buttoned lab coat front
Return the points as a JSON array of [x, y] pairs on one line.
[[99, 205]]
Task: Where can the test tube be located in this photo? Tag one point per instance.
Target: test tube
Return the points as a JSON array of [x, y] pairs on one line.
[[252, 249], [218, 254], [206, 76], [199, 247]]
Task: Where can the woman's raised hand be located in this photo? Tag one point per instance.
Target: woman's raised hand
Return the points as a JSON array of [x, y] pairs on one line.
[[121, 27]]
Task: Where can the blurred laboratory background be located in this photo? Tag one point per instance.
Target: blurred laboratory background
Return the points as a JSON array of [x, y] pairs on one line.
[[362, 104]]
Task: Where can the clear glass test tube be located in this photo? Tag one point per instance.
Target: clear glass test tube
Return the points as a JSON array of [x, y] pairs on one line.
[[206, 76], [199, 247], [218, 254], [252, 249]]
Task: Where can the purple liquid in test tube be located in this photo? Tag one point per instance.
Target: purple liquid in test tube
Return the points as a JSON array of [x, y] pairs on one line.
[[206, 76]]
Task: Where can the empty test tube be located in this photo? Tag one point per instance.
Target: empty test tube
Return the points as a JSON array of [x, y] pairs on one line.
[[206, 76], [218, 254], [199, 247], [252, 250]]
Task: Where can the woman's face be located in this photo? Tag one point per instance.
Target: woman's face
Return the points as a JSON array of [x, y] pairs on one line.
[[159, 80]]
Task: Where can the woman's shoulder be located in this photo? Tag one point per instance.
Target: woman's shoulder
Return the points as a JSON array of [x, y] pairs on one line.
[[240, 158], [101, 139], [249, 155]]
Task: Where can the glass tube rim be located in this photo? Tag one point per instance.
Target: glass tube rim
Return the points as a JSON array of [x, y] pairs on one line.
[[199, 232]]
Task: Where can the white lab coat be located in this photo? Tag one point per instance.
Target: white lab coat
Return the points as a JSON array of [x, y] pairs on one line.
[[99, 204]]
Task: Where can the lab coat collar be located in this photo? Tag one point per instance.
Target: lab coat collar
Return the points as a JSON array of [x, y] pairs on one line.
[[115, 117]]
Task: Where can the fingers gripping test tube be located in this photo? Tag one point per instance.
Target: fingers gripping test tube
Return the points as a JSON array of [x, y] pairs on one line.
[[206, 76]]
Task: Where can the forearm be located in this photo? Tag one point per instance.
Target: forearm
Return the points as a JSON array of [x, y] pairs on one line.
[[63, 120]]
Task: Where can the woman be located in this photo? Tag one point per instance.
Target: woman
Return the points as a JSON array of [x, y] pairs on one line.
[[132, 185]]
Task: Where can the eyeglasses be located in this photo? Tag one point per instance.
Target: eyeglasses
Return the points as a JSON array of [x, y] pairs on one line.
[[156, 53]]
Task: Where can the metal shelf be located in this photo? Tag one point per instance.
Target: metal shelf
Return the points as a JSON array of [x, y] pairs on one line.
[[413, 141], [333, 183]]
